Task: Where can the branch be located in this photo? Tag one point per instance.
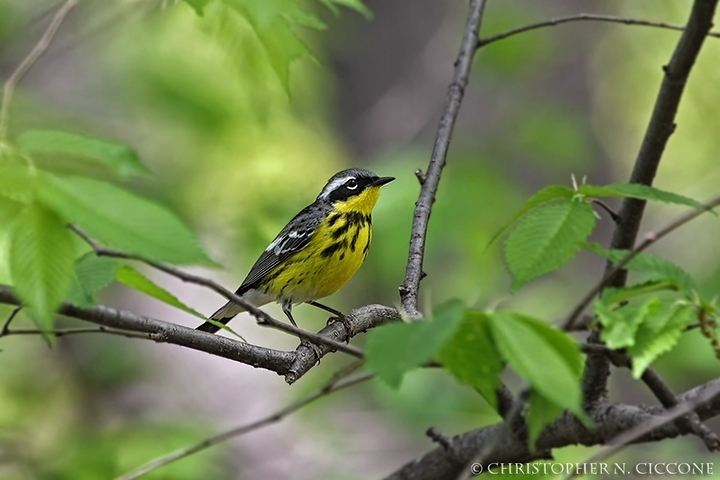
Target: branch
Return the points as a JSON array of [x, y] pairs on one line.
[[456, 91], [582, 17], [611, 420], [262, 317], [650, 425], [25, 66], [650, 238], [64, 332], [292, 365], [334, 385], [661, 126]]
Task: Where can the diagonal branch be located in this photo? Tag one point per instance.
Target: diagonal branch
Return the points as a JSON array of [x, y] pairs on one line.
[[650, 238], [333, 385], [262, 317], [583, 17], [292, 365], [27, 63], [423, 207], [661, 126]]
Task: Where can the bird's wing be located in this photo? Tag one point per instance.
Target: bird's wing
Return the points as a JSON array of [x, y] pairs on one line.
[[294, 237]]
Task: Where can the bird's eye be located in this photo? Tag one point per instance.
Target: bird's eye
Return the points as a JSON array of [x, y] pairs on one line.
[[351, 184]]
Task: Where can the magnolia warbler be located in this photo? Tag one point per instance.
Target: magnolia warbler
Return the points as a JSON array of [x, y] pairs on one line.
[[317, 252]]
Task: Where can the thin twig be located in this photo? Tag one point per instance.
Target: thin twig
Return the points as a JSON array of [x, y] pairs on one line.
[[332, 386], [261, 316], [63, 332], [581, 17], [613, 214], [650, 238], [639, 431], [17, 75], [456, 91], [6, 326]]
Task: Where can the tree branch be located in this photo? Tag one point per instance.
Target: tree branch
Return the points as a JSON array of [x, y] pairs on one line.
[[27, 63], [647, 424], [334, 385], [582, 17], [262, 317], [661, 126], [292, 365], [650, 238], [456, 91]]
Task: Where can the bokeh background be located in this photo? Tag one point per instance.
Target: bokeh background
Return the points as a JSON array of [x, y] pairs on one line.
[[237, 157]]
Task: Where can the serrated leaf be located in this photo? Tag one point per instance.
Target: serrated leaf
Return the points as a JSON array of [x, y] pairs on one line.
[[621, 324], [615, 296], [121, 220], [541, 413], [272, 21], [394, 349], [546, 357], [16, 180], [546, 195], [471, 357], [41, 258], [657, 335], [649, 263], [120, 158], [136, 280], [92, 274], [639, 191], [9, 211], [198, 5], [546, 239]]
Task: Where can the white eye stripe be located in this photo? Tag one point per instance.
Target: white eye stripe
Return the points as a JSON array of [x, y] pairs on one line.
[[334, 185]]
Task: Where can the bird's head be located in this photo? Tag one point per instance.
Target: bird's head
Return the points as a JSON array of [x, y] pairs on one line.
[[355, 190]]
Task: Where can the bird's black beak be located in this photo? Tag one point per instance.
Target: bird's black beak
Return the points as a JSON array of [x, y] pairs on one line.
[[382, 181]]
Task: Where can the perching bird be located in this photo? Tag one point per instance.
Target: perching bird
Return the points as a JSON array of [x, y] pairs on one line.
[[317, 252]]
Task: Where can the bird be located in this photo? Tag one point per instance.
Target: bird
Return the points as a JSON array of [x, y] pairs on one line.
[[316, 253]]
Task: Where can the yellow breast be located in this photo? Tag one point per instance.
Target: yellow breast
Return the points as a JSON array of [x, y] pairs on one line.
[[336, 251]]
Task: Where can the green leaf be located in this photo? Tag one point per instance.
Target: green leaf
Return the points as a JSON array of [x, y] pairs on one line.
[[394, 349], [471, 357], [120, 158], [546, 195], [272, 21], [650, 264], [547, 239], [639, 191], [615, 296], [621, 325], [41, 258], [9, 211], [541, 413], [356, 5], [134, 279], [121, 219], [657, 335], [92, 274], [546, 357], [198, 5], [16, 180]]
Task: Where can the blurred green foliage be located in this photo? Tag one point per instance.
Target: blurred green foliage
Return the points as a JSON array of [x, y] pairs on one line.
[[230, 103]]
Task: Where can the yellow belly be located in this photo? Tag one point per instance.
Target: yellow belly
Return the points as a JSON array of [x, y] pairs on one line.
[[336, 251]]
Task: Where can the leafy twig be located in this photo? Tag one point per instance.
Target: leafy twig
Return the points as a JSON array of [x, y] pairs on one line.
[[28, 62], [650, 238], [334, 385], [423, 207], [582, 17]]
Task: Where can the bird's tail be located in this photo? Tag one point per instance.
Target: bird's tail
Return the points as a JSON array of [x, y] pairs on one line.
[[223, 315]]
